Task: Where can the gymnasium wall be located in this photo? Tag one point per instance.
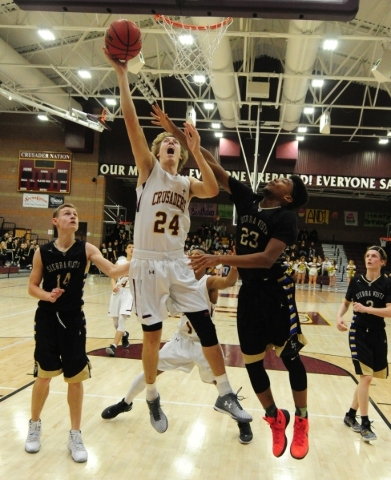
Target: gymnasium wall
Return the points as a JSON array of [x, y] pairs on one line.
[[26, 132]]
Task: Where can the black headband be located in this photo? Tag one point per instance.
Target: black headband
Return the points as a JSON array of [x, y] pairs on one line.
[[383, 254]]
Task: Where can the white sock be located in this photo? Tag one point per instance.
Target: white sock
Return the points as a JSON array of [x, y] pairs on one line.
[[152, 392], [223, 385], [137, 386]]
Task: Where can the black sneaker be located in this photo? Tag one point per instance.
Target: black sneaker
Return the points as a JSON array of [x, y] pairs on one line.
[[352, 423], [111, 350], [245, 433], [158, 419], [114, 410], [125, 340], [367, 434]]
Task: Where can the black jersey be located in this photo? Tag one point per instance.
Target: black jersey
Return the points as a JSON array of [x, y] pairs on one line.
[[257, 226], [374, 294], [67, 270]]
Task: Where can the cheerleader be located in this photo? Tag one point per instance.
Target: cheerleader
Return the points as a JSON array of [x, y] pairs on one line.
[[301, 271], [350, 270], [332, 270], [313, 269]]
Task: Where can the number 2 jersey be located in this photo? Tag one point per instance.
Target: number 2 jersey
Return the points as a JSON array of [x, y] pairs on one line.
[[256, 226], [162, 214], [371, 294], [67, 270]]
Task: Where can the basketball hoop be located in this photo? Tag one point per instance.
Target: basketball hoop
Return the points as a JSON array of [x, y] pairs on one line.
[[194, 45], [106, 115]]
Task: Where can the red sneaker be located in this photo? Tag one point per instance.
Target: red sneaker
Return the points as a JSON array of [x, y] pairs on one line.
[[299, 446], [278, 426]]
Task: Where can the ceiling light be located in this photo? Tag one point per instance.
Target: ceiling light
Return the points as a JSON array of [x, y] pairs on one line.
[[218, 134], [300, 138], [330, 44], [111, 101], [43, 118], [209, 106], [389, 133], [317, 82], [383, 141], [218, 125], [46, 34], [186, 39], [199, 79], [84, 74], [309, 110], [302, 129]]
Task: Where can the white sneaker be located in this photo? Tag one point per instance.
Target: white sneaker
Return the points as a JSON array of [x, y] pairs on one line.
[[33, 441], [76, 447]]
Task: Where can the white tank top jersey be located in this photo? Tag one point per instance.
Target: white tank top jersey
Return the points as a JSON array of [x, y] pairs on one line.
[[184, 326], [162, 214]]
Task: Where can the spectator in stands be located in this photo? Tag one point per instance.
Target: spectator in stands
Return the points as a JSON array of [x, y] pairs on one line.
[[313, 236], [350, 271], [303, 250], [370, 295], [24, 255], [103, 251], [3, 254], [301, 271], [110, 253], [332, 273], [313, 269], [115, 250], [311, 251], [223, 230], [303, 235]]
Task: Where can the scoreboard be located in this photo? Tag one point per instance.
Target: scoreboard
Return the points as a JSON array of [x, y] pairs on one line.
[[44, 172]]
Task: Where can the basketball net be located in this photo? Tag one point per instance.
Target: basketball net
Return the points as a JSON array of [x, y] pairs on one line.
[[194, 46]]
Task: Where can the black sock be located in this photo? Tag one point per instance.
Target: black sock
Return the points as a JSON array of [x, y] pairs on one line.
[[365, 421], [271, 411], [352, 413]]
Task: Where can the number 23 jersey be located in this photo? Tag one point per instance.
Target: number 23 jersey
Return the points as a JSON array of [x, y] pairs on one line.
[[255, 227], [162, 214]]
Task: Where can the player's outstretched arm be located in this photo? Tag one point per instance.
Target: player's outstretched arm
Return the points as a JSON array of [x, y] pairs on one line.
[[163, 120], [115, 271], [142, 155]]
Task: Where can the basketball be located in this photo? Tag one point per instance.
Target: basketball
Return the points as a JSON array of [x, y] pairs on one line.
[[123, 39]]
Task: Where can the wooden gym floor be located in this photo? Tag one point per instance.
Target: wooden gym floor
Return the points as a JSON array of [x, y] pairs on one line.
[[200, 443]]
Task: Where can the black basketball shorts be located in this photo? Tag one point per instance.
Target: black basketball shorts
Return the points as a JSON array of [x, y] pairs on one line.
[[60, 345]]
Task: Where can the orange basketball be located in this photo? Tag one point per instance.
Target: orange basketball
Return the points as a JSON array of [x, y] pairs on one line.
[[123, 39]]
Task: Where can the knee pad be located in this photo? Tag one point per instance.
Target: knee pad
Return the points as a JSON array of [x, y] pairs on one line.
[[204, 327], [258, 376], [297, 373], [121, 323], [152, 328]]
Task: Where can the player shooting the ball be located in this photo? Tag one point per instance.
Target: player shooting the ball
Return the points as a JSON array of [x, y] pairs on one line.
[[159, 268]]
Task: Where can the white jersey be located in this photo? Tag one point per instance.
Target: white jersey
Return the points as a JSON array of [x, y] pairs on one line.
[[162, 214], [184, 350], [184, 327]]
